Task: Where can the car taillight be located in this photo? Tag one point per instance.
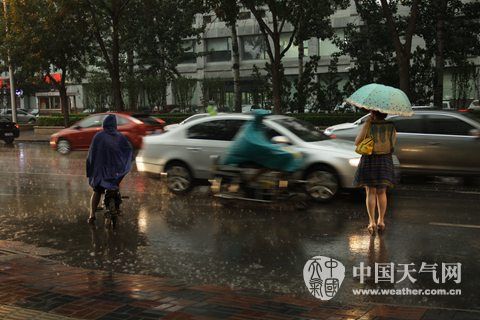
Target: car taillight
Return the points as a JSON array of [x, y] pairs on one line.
[[17, 126], [333, 136]]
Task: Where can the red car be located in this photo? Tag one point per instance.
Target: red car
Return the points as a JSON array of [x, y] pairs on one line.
[[79, 136]]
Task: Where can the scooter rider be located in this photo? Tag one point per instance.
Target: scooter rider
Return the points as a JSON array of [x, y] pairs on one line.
[[252, 147], [109, 160]]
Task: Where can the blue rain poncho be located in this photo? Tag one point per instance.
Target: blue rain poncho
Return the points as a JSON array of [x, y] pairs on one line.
[[253, 146], [109, 157]]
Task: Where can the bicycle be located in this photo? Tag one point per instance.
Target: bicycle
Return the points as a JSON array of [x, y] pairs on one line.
[[112, 202]]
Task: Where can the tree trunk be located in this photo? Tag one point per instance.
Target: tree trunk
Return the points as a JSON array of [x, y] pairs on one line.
[[115, 72], [300, 89], [276, 75], [132, 92], [439, 55], [237, 95], [404, 73], [64, 103]]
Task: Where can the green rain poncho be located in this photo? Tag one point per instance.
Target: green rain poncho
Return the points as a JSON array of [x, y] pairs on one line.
[[252, 146]]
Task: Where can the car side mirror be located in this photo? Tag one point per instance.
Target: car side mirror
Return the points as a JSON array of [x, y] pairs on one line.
[[77, 127], [281, 140], [475, 133]]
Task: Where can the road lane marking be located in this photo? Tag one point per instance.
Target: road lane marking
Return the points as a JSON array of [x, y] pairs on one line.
[[473, 226]]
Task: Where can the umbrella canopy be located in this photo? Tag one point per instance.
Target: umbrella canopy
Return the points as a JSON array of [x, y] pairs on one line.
[[381, 98]]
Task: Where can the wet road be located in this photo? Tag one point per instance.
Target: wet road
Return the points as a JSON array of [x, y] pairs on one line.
[[44, 202]]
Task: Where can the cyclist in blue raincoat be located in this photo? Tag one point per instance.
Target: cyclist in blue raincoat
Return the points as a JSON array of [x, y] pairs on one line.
[[109, 160]]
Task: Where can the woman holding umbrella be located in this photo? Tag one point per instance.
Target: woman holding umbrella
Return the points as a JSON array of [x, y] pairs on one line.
[[376, 171]]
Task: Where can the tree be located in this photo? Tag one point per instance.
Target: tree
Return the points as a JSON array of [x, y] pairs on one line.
[[403, 51], [311, 27], [367, 42], [285, 13], [183, 90], [108, 18], [451, 31], [228, 10], [160, 28], [50, 37]]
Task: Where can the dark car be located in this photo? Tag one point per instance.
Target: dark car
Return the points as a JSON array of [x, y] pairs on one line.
[[8, 130], [80, 135]]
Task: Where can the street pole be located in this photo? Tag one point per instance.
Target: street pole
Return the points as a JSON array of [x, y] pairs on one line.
[[10, 70]]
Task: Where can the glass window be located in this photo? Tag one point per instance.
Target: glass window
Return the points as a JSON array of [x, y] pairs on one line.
[[327, 47], [412, 124], [218, 49], [189, 50], [304, 130], [254, 48], [92, 122], [292, 52], [245, 15], [224, 130], [121, 121], [443, 124]]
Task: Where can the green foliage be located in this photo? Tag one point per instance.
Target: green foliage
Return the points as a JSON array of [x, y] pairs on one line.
[[306, 17], [370, 47], [183, 90], [213, 89], [155, 88], [57, 121], [98, 93]]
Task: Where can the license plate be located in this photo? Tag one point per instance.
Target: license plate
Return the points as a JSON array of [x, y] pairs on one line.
[[8, 134]]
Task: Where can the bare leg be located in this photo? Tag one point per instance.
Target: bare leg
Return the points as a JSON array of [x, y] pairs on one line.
[[371, 203], [382, 207], [94, 201]]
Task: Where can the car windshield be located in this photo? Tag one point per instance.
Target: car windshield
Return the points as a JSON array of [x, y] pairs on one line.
[[472, 116], [147, 119], [304, 130]]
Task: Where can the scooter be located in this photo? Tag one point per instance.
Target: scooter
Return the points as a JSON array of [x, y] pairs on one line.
[[258, 185]]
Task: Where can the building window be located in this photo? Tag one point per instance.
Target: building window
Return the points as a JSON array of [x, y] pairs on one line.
[[244, 15], [292, 52], [219, 49], [189, 52], [207, 19], [49, 102], [254, 48], [327, 47]]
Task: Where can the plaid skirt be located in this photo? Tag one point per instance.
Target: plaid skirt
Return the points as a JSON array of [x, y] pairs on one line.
[[376, 171]]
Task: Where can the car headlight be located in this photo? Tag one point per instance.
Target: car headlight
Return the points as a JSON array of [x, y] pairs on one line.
[[354, 162]]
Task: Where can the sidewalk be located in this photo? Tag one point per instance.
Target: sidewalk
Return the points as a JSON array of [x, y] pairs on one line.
[[32, 287], [30, 136]]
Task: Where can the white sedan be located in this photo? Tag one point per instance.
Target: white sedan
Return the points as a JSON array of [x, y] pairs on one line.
[[184, 154]]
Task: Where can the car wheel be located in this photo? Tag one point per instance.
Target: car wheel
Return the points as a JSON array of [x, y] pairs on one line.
[[179, 178], [8, 140], [63, 146], [322, 184]]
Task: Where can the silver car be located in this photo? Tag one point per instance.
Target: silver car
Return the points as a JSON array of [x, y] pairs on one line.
[[430, 142], [22, 116], [185, 153]]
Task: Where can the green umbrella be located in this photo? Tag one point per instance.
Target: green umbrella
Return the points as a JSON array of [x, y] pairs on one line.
[[381, 98]]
